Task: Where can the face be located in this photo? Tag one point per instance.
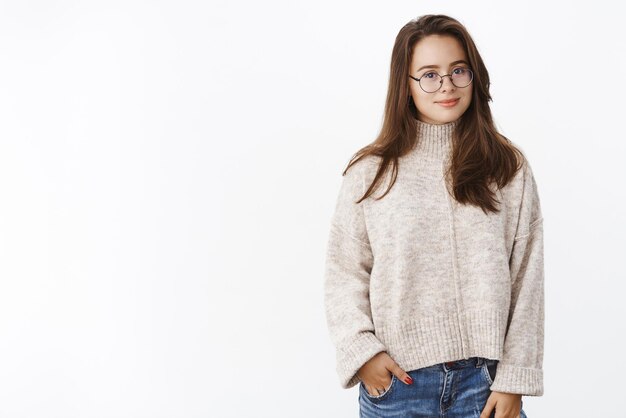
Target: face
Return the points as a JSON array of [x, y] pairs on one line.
[[438, 53]]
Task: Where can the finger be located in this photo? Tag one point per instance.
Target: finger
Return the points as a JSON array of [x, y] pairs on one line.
[[400, 373], [489, 406], [377, 391], [372, 390]]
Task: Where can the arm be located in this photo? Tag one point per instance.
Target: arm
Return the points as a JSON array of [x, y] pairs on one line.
[[521, 368], [349, 262]]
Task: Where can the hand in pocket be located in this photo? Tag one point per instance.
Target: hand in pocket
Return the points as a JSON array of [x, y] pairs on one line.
[[377, 374]]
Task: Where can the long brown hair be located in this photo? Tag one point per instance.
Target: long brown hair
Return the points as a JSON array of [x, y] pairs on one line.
[[480, 154]]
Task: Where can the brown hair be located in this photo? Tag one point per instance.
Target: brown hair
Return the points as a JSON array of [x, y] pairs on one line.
[[479, 154]]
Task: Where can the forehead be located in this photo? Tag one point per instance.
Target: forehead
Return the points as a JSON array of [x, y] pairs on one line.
[[439, 50]]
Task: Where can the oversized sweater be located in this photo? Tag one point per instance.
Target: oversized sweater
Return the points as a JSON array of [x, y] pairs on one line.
[[430, 280]]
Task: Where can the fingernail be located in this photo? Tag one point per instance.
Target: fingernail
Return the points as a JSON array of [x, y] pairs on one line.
[[408, 380]]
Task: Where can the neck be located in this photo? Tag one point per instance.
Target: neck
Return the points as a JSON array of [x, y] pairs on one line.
[[434, 140]]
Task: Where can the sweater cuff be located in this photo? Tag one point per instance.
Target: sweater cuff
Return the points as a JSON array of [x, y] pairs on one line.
[[519, 380], [354, 354]]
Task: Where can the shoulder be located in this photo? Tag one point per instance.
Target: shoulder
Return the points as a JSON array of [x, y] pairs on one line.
[[524, 194], [522, 182], [356, 177], [524, 169], [363, 168], [526, 173]]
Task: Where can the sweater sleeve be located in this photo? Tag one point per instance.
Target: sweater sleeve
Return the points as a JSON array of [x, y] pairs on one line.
[[349, 262], [520, 370]]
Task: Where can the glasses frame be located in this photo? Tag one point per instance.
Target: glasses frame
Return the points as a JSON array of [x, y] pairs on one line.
[[441, 79]]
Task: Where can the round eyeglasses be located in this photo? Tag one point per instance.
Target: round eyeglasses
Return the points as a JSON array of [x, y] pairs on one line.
[[431, 81]]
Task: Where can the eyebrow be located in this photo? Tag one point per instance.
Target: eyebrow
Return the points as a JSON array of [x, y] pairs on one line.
[[436, 66]]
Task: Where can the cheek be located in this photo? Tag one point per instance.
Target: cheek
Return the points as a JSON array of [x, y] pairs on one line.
[[422, 98], [468, 96]]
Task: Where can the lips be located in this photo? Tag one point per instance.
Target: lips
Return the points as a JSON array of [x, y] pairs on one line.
[[448, 100]]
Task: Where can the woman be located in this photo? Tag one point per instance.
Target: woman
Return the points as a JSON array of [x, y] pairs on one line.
[[434, 288]]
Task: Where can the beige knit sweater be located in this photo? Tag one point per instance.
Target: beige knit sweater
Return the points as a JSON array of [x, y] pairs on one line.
[[430, 280]]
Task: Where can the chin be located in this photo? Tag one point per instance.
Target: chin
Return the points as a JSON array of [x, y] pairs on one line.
[[446, 117]]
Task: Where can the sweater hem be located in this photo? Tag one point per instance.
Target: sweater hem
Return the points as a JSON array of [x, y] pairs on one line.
[[425, 341], [422, 342]]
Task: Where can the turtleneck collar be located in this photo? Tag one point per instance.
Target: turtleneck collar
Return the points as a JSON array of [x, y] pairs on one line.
[[434, 140]]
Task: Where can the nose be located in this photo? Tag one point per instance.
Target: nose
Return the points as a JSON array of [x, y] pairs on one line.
[[447, 78]]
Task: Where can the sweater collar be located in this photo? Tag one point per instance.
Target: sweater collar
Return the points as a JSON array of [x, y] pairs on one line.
[[434, 140]]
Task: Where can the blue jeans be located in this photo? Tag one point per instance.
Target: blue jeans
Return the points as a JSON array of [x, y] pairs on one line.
[[444, 390]]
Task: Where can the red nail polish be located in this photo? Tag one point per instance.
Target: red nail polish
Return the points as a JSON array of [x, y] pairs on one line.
[[409, 380]]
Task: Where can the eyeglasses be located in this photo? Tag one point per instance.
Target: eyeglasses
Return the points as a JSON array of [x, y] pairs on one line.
[[432, 81]]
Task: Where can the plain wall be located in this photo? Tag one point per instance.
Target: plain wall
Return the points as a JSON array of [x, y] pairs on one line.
[[168, 170]]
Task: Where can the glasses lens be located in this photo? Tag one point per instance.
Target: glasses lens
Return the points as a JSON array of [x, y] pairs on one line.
[[430, 82], [461, 77]]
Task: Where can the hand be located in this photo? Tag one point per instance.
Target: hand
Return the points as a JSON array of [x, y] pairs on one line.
[[507, 405], [377, 372]]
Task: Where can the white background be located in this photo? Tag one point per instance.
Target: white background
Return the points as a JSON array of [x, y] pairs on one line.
[[168, 171]]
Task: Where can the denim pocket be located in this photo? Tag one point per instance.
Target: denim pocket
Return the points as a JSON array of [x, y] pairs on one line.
[[489, 370], [382, 395]]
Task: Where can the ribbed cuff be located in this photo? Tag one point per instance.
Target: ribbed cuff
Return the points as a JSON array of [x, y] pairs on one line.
[[520, 380], [355, 354]]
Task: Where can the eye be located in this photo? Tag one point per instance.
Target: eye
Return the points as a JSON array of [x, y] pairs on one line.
[[461, 70], [429, 74]]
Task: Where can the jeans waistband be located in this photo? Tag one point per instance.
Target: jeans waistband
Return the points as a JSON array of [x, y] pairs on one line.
[[458, 364]]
